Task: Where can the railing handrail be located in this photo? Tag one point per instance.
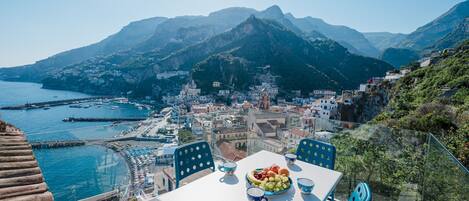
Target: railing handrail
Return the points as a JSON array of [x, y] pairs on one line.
[[451, 156]]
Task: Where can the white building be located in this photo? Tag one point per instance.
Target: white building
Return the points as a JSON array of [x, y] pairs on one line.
[[256, 144], [223, 92], [293, 136], [165, 154], [324, 108], [394, 76]]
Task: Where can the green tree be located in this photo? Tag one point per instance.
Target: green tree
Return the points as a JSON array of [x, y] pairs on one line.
[[185, 136]]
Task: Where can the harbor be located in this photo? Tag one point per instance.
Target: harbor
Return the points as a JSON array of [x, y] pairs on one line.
[[100, 168], [131, 133], [145, 147]]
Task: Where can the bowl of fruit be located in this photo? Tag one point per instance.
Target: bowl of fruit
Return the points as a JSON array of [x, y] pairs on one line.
[[273, 180]]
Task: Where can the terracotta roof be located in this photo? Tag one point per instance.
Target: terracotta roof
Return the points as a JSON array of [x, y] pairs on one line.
[[229, 152], [298, 132], [20, 177]]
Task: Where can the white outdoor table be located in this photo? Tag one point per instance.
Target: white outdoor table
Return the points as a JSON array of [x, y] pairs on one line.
[[216, 187]]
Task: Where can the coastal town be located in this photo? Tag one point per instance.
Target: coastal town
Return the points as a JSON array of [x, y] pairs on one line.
[[254, 121], [235, 125]]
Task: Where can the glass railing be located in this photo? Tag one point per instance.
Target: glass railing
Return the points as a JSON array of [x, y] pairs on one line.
[[389, 160], [444, 177]]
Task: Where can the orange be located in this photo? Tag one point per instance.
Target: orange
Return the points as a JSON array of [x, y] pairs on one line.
[[283, 172], [271, 174]]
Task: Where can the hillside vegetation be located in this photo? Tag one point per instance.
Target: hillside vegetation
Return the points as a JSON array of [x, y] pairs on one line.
[[435, 99]]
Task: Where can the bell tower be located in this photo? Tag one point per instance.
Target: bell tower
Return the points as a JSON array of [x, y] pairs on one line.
[[264, 102]]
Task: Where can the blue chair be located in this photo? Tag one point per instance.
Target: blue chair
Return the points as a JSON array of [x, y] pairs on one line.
[[317, 153], [361, 193], [192, 158]]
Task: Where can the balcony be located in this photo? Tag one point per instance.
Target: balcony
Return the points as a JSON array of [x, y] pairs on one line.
[[397, 164]]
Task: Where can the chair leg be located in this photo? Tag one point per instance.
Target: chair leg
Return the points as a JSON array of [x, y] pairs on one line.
[[331, 197]]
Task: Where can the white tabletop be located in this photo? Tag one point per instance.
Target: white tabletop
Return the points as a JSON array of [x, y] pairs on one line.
[[233, 188]]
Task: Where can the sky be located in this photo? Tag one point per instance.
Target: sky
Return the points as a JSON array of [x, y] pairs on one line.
[[31, 30]]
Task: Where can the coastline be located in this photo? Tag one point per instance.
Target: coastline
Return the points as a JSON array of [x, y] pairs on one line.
[[129, 175], [43, 125]]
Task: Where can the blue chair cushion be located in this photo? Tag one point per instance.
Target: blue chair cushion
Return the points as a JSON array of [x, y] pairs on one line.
[[192, 158], [317, 153]]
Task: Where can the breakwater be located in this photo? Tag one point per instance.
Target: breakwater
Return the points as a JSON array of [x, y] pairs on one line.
[[46, 104], [74, 143], [57, 144], [84, 119]]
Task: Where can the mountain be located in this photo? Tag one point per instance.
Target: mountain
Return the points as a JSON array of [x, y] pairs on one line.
[[447, 30], [435, 99], [434, 31], [130, 35], [399, 57], [298, 62], [384, 40], [454, 38], [157, 37], [341, 34], [215, 23], [237, 59]]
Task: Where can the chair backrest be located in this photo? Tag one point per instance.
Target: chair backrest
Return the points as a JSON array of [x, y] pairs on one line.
[[192, 158], [316, 152], [361, 193]]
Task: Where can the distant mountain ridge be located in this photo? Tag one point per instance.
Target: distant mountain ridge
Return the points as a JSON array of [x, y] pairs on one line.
[[127, 37], [158, 35], [384, 40], [160, 50], [454, 38], [448, 30], [341, 34], [435, 30], [300, 64], [399, 57]]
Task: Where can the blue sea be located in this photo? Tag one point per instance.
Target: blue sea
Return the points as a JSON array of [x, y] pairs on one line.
[[77, 172]]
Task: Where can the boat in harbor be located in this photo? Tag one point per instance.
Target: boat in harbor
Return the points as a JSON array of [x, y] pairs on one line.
[[122, 100]]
